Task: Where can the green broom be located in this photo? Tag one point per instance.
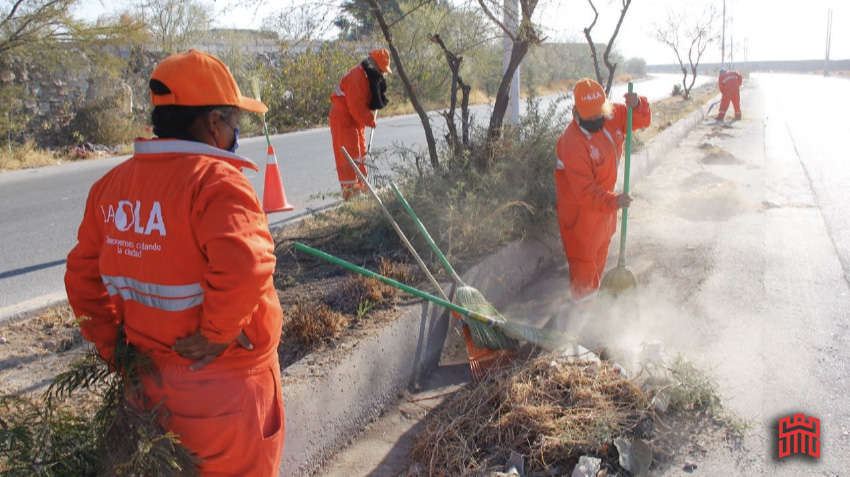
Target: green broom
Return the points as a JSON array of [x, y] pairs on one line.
[[465, 295], [621, 278], [483, 336], [551, 340]]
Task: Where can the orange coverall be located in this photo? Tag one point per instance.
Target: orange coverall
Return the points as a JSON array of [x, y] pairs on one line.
[[585, 175], [174, 240], [729, 83], [349, 117]]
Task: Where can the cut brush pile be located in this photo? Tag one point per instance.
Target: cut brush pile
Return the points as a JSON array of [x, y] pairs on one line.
[[549, 410]]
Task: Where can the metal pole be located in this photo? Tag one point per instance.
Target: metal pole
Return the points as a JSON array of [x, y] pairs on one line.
[[511, 7], [723, 40], [828, 42]]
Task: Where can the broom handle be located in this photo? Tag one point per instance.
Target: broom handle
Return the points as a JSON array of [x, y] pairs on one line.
[[372, 132], [401, 286], [427, 236], [395, 225], [621, 261]]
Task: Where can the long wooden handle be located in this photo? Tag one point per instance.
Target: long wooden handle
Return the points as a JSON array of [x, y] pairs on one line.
[[395, 225]]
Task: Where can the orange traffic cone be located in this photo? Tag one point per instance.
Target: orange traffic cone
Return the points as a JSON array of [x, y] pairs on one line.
[[274, 199]]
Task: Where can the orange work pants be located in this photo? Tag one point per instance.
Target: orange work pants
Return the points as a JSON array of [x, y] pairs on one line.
[[233, 422], [586, 236], [735, 97], [354, 140]]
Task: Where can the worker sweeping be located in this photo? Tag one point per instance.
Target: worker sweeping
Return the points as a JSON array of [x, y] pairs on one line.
[[360, 92], [729, 82], [175, 248], [588, 155]]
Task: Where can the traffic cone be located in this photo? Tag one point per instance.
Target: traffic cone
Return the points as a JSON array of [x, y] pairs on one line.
[[274, 199]]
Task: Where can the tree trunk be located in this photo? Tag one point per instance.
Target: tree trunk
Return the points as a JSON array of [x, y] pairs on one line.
[[398, 67]]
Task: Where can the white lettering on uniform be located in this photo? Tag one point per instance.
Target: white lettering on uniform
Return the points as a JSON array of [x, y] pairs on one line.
[[127, 215]]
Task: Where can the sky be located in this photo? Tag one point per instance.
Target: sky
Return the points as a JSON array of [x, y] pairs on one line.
[[760, 29]]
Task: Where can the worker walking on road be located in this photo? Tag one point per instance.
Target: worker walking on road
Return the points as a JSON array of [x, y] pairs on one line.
[[360, 92], [729, 82], [175, 248], [588, 154]]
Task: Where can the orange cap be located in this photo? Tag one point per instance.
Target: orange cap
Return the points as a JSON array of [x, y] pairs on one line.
[[382, 59], [196, 78], [589, 97]]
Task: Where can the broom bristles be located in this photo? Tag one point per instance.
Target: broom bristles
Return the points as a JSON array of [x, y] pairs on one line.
[[618, 280], [483, 334]]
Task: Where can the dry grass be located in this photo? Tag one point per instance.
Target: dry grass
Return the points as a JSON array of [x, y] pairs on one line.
[[26, 156], [310, 324], [549, 411]]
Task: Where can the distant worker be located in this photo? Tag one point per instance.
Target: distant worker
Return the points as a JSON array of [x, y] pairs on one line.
[[174, 247], [729, 82], [356, 99], [588, 154]]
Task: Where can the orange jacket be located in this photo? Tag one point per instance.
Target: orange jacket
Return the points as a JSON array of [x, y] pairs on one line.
[[729, 81], [586, 166], [351, 99], [174, 240]]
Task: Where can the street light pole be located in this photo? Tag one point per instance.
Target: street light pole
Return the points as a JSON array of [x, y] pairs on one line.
[[828, 42]]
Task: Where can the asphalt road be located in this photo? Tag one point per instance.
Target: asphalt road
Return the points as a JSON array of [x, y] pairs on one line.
[[40, 209]]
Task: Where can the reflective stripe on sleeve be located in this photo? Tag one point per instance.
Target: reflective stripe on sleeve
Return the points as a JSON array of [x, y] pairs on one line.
[[154, 295], [338, 91]]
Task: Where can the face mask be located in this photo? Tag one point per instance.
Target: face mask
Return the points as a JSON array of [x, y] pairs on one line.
[[592, 126], [235, 139]]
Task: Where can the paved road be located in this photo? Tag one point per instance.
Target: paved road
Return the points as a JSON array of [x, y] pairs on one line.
[[40, 209]]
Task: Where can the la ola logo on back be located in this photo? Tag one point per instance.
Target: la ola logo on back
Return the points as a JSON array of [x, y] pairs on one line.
[[127, 215], [592, 96]]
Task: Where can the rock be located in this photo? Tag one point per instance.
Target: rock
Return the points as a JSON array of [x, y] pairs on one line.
[[689, 466], [635, 455], [587, 467], [3, 340]]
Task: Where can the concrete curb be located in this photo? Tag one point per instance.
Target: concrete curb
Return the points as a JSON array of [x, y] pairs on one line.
[[665, 141], [323, 414]]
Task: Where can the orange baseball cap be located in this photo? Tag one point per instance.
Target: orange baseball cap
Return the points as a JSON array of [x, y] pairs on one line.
[[590, 98], [382, 59], [195, 78]]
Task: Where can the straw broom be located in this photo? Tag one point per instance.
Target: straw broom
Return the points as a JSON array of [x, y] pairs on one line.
[[550, 340], [621, 278], [472, 299], [483, 336]]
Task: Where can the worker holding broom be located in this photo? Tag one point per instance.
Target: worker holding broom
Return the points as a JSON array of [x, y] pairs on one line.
[[588, 155], [360, 92], [174, 248]]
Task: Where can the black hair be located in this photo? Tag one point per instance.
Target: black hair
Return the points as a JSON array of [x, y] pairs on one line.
[[173, 121]]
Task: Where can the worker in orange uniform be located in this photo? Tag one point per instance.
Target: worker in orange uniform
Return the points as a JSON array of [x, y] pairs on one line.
[[729, 82], [588, 154], [360, 92], [175, 248]]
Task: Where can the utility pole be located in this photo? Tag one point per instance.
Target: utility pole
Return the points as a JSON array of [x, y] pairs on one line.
[[828, 42], [511, 8], [723, 39], [731, 31]]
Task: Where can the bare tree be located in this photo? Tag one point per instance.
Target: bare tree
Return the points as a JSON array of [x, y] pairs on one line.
[[691, 34], [175, 24], [606, 55], [457, 84], [304, 22], [398, 67], [527, 35]]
